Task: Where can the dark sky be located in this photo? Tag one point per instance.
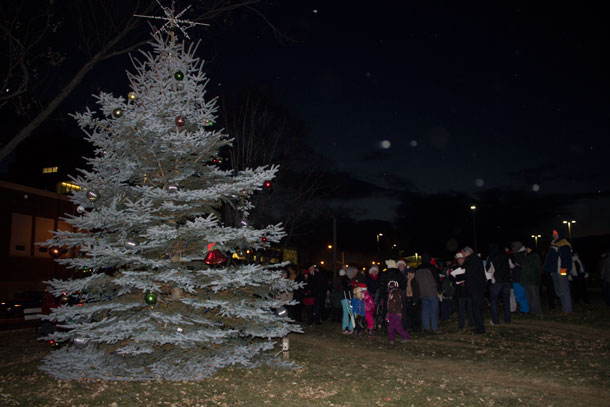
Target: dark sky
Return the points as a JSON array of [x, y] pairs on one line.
[[498, 96], [423, 107]]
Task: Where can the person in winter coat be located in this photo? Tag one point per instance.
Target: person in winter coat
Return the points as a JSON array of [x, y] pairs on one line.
[[426, 277], [530, 280], [578, 280], [463, 296], [498, 266], [359, 310], [517, 258], [558, 263], [371, 281], [394, 312], [309, 296], [447, 291], [391, 274], [346, 297], [476, 283], [369, 308], [413, 319]]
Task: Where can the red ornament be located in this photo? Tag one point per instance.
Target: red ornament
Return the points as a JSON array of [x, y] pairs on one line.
[[267, 184], [264, 239], [214, 257], [180, 121]]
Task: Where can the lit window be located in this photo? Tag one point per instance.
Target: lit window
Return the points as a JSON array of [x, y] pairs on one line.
[[49, 170], [66, 187]]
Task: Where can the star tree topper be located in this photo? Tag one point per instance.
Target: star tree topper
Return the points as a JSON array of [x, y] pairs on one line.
[[172, 19]]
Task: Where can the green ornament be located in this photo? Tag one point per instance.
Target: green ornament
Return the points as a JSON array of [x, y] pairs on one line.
[[150, 298], [179, 75]]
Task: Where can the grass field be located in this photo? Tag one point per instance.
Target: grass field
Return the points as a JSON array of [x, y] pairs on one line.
[[557, 360]]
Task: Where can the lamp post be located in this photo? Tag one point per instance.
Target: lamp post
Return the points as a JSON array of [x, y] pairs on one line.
[[474, 227], [569, 223], [536, 240], [334, 246]]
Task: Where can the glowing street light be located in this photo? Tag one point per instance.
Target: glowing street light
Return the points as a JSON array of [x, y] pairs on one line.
[[378, 236], [473, 208], [569, 223], [536, 239]]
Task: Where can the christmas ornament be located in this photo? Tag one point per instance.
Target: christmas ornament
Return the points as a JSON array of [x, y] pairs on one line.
[[281, 312], [180, 121], [54, 252], [179, 330], [79, 342], [264, 239], [179, 75], [80, 209], [118, 112], [130, 244], [54, 344], [172, 188], [214, 257], [132, 96], [150, 298], [267, 184], [93, 195], [208, 123], [64, 299]]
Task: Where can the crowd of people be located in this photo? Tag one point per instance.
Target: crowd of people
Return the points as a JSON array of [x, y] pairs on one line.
[[402, 300]]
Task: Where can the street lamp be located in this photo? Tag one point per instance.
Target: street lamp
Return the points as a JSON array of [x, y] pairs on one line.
[[378, 248], [536, 240], [474, 227], [569, 223]]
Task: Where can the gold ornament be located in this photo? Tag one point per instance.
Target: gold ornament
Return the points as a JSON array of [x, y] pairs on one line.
[[132, 96]]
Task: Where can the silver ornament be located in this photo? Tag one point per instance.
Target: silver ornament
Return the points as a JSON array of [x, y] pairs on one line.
[[80, 209], [130, 244], [79, 342], [93, 195]]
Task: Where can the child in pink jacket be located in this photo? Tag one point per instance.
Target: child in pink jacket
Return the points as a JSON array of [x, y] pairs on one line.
[[369, 308]]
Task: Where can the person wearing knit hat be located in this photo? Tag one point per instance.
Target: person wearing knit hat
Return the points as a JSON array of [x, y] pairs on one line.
[[372, 285], [359, 309], [427, 279], [392, 274], [516, 260], [558, 263], [476, 283], [402, 266]]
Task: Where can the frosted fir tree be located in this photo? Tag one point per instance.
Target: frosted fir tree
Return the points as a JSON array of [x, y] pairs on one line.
[[163, 301]]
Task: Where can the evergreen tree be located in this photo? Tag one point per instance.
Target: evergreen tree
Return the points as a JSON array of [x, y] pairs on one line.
[[163, 301]]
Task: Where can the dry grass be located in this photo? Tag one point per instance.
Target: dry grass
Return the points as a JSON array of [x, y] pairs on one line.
[[554, 361]]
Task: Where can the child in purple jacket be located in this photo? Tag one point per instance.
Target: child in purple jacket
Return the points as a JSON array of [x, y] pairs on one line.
[[395, 313]]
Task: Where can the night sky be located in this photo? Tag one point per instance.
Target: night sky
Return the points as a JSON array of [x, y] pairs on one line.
[[418, 109], [510, 97]]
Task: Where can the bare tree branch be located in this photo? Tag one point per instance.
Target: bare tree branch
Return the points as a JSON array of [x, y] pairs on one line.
[[103, 29]]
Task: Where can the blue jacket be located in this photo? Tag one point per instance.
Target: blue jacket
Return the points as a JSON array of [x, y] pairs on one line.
[[358, 307], [559, 255]]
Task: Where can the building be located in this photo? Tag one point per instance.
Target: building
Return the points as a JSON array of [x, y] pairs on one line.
[[27, 216]]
